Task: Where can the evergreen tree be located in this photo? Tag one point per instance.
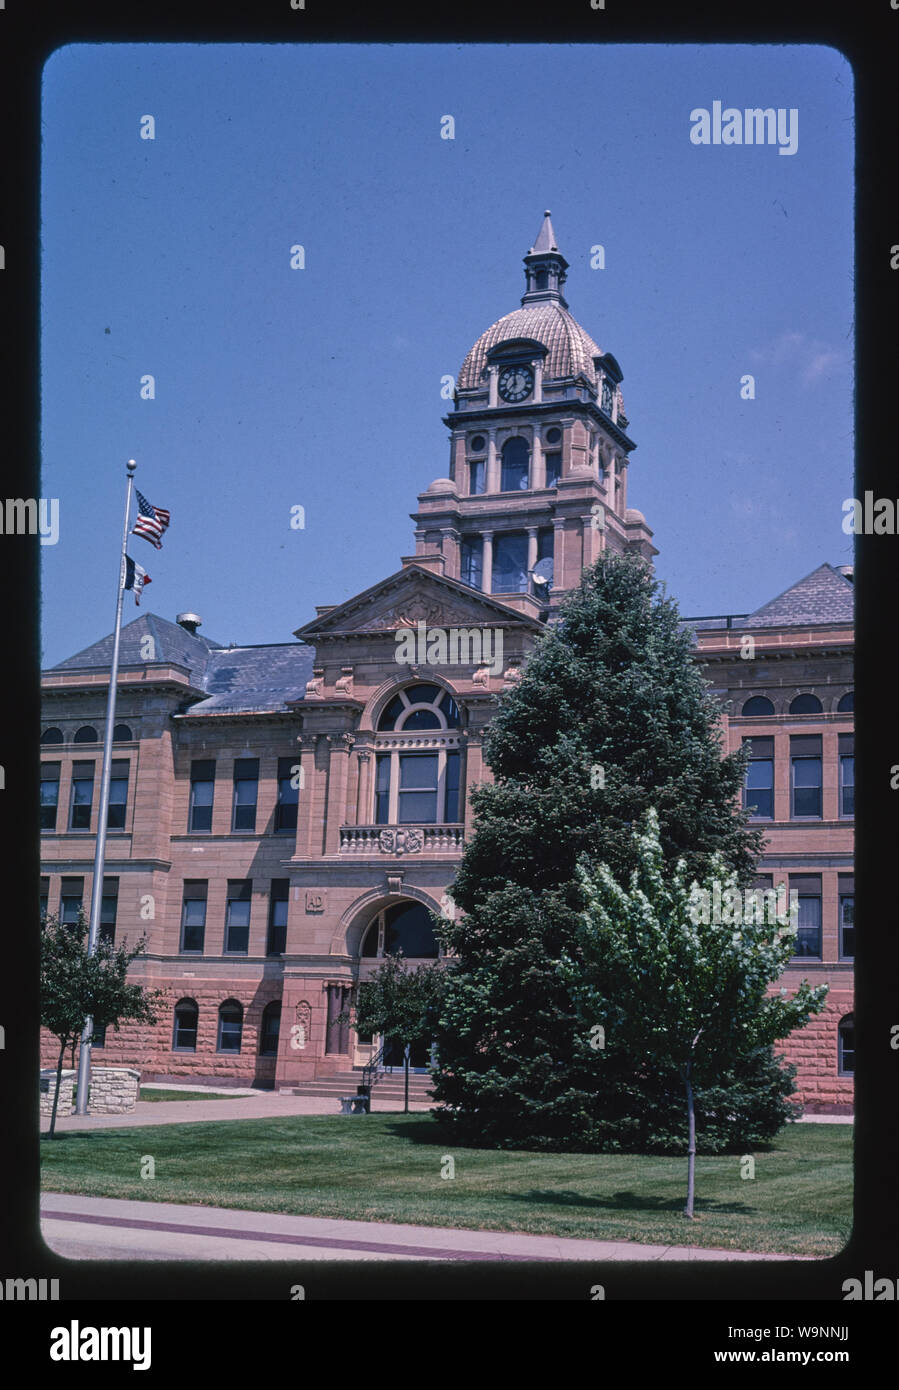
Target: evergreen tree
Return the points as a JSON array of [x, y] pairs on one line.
[[676, 991], [611, 716]]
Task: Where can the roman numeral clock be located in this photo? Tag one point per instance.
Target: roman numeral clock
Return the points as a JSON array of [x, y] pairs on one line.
[[515, 384]]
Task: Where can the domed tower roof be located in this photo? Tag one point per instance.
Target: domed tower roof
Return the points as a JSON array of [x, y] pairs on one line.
[[570, 349], [543, 318]]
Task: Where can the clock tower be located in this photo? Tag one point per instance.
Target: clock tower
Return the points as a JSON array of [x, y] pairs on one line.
[[539, 450]]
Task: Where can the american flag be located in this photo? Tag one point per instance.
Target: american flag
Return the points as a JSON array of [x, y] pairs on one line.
[[151, 522]]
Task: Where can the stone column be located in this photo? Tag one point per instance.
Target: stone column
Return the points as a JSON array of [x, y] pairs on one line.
[[538, 381], [592, 540], [363, 787], [492, 481], [338, 777], [492, 373], [487, 562], [538, 462], [532, 547], [307, 842], [450, 542], [558, 552]]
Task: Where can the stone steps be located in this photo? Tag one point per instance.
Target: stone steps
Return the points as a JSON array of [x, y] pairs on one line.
[[389, 1086]]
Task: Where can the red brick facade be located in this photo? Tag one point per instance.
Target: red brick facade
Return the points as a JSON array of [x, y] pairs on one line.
[[495, 553]]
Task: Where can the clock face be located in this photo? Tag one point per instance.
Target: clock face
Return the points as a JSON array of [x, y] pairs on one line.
[[515, 383]]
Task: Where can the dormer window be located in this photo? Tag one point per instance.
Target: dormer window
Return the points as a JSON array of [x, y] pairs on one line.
[[608, 395]]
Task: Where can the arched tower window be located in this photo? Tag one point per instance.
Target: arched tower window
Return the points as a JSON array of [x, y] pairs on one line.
[[86, 734], [846, 703], [51, 736], [516, 459]]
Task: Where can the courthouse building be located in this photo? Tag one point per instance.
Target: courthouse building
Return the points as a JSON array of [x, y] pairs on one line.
[[281, 816]]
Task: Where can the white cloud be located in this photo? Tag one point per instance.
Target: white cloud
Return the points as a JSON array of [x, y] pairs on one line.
[[812, 359]]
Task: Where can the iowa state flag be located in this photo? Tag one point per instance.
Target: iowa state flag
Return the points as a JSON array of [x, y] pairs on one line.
[[135, 578]]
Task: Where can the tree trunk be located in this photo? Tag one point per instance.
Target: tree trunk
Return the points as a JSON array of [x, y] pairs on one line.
[[691, 1147], [406, 1078], [62, 1053]]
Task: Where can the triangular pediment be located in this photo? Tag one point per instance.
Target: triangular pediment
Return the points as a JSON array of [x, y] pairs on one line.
[[408, 597]]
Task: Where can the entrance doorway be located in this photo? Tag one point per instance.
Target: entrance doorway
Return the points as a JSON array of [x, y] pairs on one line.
[[419, 1055]]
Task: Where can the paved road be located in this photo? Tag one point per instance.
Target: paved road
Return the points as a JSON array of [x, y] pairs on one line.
[[104, 1228]]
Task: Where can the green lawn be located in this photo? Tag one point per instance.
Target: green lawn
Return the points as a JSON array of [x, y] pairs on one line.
[[387, 1168], [147, 1093]]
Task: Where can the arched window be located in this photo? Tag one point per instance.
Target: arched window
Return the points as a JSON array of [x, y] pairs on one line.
[[846, 703], [268, 1033], [52, 736], [846, 1046], [86, 734], [757, 705], [515, 465], [122, 734], [806, 704], [405, 929], [420, 707], [417, 781], [230, 1026], [184, 1033]]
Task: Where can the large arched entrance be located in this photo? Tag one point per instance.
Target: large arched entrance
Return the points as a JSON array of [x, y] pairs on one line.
[[402, 928]]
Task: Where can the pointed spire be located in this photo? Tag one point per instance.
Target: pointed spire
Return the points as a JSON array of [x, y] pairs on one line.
[[546, 237], [545, 267]]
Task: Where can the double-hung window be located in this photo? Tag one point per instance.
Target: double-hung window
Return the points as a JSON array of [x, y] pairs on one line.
[[758, 791]]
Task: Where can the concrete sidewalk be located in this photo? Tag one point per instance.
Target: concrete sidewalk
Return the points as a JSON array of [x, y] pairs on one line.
[[261, 1105], [104, 1228]]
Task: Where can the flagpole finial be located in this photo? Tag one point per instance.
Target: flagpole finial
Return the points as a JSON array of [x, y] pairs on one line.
[[131, 467]]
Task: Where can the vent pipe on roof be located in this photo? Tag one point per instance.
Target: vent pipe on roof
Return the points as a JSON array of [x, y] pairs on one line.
[[190, 622], [846, 571]]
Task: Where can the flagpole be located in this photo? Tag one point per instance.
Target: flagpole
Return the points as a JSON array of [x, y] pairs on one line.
[[84, 1058]]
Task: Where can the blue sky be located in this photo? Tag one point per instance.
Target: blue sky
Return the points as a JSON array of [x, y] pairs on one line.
[[321, 387]]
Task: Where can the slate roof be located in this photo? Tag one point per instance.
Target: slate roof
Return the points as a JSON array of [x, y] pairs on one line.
[[824, 596], [241, 680], [238, 680], [172, 643]]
